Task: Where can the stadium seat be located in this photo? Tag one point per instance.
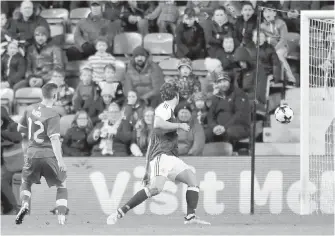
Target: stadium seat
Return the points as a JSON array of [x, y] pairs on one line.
[[25, 97], [7, 97], [125, 43], [55, 15], [293, 41], [199, 67], [218, 149], [65, 124], [160, 45], [169, 66]]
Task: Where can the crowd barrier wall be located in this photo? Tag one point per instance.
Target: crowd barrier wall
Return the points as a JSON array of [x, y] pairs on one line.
[[100, 185]]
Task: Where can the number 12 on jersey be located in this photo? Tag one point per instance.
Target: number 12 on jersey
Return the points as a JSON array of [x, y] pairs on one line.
[[35, 128]]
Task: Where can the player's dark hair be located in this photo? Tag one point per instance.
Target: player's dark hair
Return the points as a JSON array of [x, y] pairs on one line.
[[48, 90], [110, 66], [169, 91]]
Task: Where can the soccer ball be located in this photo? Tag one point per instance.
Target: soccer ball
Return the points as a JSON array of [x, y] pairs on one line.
[[284, 114]]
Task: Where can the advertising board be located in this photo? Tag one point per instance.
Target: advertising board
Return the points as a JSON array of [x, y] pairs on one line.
[[101, 185]]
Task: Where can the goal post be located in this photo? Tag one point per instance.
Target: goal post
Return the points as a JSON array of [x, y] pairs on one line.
[[317, 110]]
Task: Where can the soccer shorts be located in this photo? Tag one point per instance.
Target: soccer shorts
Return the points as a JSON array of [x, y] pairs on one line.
[[35, 168], [168, 166]]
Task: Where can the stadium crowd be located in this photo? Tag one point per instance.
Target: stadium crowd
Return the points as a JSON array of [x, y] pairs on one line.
[[113, 111]]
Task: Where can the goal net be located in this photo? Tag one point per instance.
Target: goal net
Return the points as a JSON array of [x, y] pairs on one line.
[[317, 112]]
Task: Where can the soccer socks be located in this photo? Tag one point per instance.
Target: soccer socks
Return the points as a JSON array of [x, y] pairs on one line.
[[61, 200], [136, 200], [192, 197], [25, 193]]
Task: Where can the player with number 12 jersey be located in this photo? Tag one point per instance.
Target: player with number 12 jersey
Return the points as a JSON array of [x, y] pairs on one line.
[[43, 157]]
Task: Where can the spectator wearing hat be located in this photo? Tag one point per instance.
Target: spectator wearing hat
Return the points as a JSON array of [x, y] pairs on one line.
[[187, 82], [229, 114], [43, 57], [27, 22], [267, 56], [275, 30], [190, 143], [13, 67], [200, 108], [88, 31], [190, 37], [219, 27], [213, 66], [100, 59], [246, 23], [113, 135], [226, 53], [246, 76], [11, 160], [144, 77]]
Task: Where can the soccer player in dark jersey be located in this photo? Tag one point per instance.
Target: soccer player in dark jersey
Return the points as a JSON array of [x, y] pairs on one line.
[[44, 153], [162, 162]]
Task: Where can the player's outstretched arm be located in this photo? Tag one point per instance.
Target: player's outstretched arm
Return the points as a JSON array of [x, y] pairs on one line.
[[160, 123]]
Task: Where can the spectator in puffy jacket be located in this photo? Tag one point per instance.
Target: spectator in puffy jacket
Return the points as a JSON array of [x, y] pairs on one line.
[[43, 57], [11, 160], [144, 77], [141, 133], [219, 27], [27, 22], [13, 67], [275, 30], [190, 143], [190, 37], [226, 53], [267, 56], [246, 75], [111, 137], [246, 23], [87, 32], [75, 140], [229, 115], [167, 15]]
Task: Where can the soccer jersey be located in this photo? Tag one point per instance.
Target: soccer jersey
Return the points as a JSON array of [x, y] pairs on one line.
[[162, 141], [42, 123]]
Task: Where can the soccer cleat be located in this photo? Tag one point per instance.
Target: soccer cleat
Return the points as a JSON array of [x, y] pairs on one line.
[[61, 219], [113, 218], [193, 219], [23, 211]]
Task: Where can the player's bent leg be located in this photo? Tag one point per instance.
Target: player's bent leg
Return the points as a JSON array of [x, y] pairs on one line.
[[155, 187], [188, 177], [61, 202]]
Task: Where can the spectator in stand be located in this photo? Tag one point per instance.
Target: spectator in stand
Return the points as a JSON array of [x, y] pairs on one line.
[[88, 31], [246, 23], [187, 82], [200, 109], [203, 9], [213, 66], [63, 105], [11, 160], [190, 143], [75, 140], [219, 27], [100, 59], [134, 108], [86, 93], [275, 30], [13, 67], [142, 132], [27, 23], [7, 27], [292, 14], [144, 77], [114, 11], [229, 116], [111, 137], [167, 15], [267, 56], [246, 76], [43, 57], [190, 37], [226, 53], [135, 16]]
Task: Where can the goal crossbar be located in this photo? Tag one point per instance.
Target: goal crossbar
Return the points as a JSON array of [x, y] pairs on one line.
[[306, 16]]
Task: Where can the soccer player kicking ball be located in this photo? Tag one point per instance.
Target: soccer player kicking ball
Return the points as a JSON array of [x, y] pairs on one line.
[[162, 161], [44, 153]]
